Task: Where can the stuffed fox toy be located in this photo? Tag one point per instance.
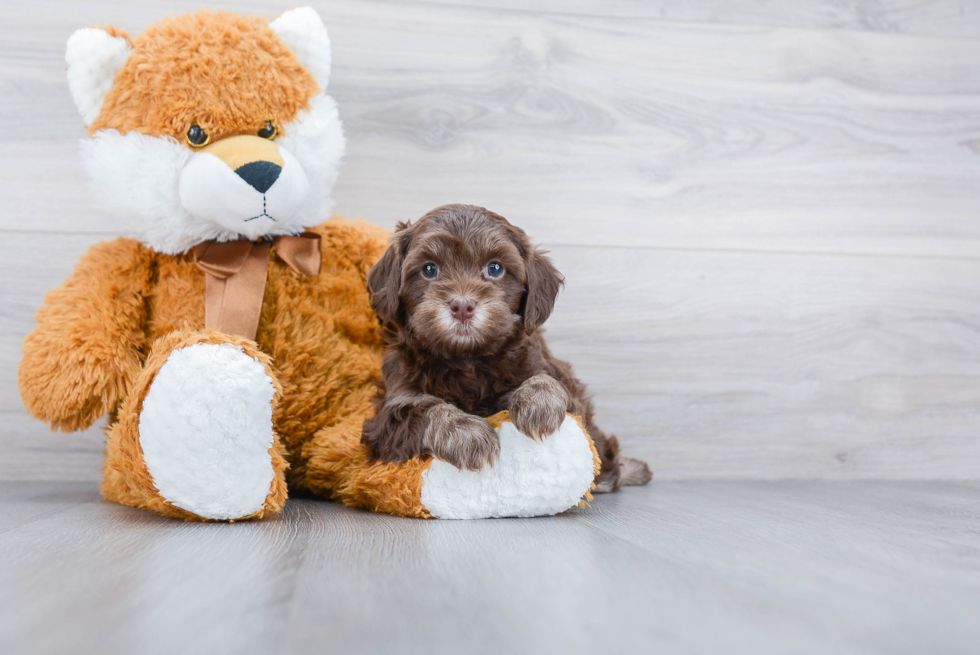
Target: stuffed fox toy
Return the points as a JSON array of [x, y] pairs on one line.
[[231, 341]]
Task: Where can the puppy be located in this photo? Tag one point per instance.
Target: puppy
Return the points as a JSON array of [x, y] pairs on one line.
[[463, 294]]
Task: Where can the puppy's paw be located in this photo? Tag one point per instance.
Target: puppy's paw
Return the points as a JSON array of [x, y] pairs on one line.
[[538, 406], [463, 440]]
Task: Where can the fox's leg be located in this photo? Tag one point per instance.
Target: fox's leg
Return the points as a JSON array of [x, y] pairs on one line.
[[194, 439]]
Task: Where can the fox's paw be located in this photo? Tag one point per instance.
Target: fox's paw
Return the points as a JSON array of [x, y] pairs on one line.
[[206, 431]]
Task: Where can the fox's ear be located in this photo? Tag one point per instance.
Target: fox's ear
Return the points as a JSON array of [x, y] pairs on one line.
[[304, 33], [94, 57]]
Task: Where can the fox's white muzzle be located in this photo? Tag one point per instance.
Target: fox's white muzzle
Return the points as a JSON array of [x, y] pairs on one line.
[[246, 184]]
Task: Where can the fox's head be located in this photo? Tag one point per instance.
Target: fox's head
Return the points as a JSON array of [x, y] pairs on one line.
[[209, 125]]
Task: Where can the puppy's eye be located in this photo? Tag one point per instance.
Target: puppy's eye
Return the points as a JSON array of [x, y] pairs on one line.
[[268, 131], [197, 137], [430, 271], [495, 269]]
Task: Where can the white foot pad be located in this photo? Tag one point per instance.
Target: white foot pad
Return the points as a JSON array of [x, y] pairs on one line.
[[206, 430], [531, 478]]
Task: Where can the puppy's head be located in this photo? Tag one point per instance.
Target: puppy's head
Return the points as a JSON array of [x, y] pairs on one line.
[[462, 280]]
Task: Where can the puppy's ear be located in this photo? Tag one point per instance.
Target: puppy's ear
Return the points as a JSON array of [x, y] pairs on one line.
[[543, 283], [385, 277]]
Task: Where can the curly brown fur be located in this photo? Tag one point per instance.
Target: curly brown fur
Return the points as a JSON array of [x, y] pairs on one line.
[[464, 341]]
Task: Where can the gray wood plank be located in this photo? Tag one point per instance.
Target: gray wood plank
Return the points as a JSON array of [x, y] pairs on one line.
[[708, 364], [591, 130], [763, 365], [695, 567], [33, 452], [942, 18], [954, 18]]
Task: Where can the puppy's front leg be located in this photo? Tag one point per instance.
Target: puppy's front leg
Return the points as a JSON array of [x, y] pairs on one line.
[[538, 406], [464, 440], [414, 425]]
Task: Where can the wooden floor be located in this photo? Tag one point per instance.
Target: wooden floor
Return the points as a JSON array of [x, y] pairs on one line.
[[676, 567], [768, 214]]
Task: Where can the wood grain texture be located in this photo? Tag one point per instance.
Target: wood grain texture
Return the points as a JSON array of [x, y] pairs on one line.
[[708, 364], [766, 214], [748, 365], [956, 18], [667, 134], [748, 567]]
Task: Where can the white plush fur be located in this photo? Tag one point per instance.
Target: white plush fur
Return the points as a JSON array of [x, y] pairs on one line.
[[305, 34], [530, 478], [206, 430], [138, 178], [93, 57], [211, 191], [316, 139]]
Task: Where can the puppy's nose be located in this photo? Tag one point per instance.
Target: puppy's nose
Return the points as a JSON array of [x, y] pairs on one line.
[[260, 175], [463, 308]]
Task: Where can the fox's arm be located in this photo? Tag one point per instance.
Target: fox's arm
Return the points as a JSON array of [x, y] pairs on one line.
[[85, 352]]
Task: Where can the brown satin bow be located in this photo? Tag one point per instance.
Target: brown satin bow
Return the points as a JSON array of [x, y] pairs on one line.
[[236, 273]]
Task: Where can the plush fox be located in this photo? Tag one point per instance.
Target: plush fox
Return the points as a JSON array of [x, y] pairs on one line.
[[231, 338]]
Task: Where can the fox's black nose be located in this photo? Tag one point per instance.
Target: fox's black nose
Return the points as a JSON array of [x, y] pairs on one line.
[[260, 174]]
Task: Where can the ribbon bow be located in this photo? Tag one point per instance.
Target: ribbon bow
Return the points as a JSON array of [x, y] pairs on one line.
[[236, 272]]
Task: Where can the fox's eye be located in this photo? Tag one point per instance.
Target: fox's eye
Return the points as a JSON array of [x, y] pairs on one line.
[[268, 131], [495, 269], [430, 271], [197, 137]]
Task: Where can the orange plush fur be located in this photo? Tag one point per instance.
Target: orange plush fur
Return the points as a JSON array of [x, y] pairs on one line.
[[102, 337], [105, 333], [229, 74]]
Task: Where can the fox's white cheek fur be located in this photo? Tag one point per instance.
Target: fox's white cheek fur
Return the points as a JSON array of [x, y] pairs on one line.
[[140, 178], [316, 139]]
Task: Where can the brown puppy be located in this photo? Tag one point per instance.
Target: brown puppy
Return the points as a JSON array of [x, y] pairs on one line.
[[464, 293]]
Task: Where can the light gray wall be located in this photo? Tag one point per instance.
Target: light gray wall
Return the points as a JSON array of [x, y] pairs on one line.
[[769, 216]]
